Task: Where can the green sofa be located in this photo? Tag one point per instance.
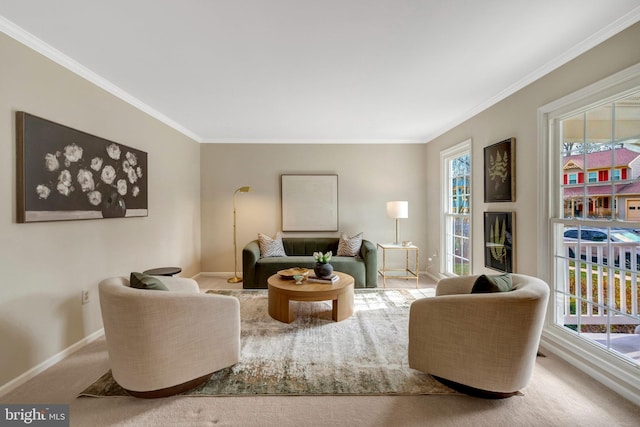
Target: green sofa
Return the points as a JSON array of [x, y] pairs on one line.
[[299, 250]]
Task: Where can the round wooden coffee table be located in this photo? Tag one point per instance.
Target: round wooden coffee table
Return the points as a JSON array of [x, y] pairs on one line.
[[281, 291]]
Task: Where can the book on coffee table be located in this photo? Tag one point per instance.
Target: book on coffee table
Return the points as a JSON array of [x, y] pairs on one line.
[[329, 280]]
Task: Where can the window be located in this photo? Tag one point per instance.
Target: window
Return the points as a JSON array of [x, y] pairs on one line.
[[456, 207], [573, 178], [597, 246]]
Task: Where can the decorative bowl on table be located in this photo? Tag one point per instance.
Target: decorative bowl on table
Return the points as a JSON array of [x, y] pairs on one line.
[[295, 271]]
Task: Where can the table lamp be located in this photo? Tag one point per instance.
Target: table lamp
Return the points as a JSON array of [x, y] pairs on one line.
[[398, 210]]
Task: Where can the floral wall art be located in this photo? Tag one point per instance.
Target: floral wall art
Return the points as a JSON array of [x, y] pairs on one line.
[[66, 174]]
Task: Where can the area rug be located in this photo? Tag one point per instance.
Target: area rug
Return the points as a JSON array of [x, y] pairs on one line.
[[365, 354]]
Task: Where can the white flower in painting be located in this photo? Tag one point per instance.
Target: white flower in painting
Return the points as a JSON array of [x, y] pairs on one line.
[[51, 162], [133, 160], [122, 187], [65, 178], [132, 175], [139, 172], [64, 183], [108, 174], [85, 179], [126, 167], [114, 151], [63, 189], [135, 191], [96, 163], [43, 191], [72, 153], [95, 198]]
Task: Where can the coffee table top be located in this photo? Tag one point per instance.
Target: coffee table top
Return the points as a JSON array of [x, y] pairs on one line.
[[290, 287]]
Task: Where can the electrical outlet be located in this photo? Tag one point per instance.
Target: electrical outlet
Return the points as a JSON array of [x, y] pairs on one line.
[[85, 296]]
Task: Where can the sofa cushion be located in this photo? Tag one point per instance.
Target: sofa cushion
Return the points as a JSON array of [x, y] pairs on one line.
[[308, 245], [146, 281], [271, 247], [349, 246], [492, 283]]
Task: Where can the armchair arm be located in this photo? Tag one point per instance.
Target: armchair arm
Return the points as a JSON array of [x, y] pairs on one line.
[[179, 284], [369, 254], [455, 285], [250, 256]]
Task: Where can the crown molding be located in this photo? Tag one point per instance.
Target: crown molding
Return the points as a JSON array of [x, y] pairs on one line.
[[590, 42], [19, 34], [313, 141]]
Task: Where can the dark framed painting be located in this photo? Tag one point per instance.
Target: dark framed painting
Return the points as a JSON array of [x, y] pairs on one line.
[[499, 243], [309, 202], [500, 172], [67, 174]]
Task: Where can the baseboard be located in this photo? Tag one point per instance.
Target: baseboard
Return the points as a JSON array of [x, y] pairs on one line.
[[18, 381], [432, 276], [215, 274], [620, 376]]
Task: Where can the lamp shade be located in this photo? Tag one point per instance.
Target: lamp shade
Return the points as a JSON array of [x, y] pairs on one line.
[[398, 209]]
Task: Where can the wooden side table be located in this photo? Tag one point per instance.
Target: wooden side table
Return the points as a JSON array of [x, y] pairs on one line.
[[163, 271], [398, 273]]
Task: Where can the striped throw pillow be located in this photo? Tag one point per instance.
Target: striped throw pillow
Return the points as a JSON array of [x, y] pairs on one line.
[[349, 246], [271, 247]]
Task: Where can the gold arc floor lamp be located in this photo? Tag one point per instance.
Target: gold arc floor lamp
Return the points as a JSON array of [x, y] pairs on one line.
[[235, 278], [398, 210]]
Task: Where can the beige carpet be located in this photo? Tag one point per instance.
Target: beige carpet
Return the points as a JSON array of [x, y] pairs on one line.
[[365, 354]]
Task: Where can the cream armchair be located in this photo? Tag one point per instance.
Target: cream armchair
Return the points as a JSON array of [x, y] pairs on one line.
[[165, 342], [481, 344]]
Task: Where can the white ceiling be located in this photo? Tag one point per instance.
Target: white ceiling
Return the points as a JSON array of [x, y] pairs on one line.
[[314, 70]]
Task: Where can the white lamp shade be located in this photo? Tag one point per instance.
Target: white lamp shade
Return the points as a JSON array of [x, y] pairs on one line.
[[398, 209]]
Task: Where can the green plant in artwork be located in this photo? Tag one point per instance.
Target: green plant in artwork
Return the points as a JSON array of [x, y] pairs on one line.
[[497, 237], [498, 170]]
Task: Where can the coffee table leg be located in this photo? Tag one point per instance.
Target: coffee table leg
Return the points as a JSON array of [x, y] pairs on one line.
[[342, 306], [279, 307]]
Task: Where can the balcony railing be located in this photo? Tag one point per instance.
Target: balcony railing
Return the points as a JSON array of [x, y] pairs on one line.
[[594, 266]]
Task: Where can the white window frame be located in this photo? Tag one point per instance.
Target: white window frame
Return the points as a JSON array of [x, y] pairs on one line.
[[612, 371], [445, 156], [594, 174]]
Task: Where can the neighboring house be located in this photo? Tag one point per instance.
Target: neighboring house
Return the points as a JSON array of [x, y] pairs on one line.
[[598, 177]]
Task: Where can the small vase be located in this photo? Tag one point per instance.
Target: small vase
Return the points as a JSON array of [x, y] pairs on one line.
[[113, 206], [323, 270]]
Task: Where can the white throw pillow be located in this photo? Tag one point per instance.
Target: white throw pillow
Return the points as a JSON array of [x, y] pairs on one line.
[[349, 246], [271, 247]]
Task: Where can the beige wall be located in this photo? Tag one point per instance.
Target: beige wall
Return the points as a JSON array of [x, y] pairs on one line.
[[516, 116], [369, 175], [44, 266]]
